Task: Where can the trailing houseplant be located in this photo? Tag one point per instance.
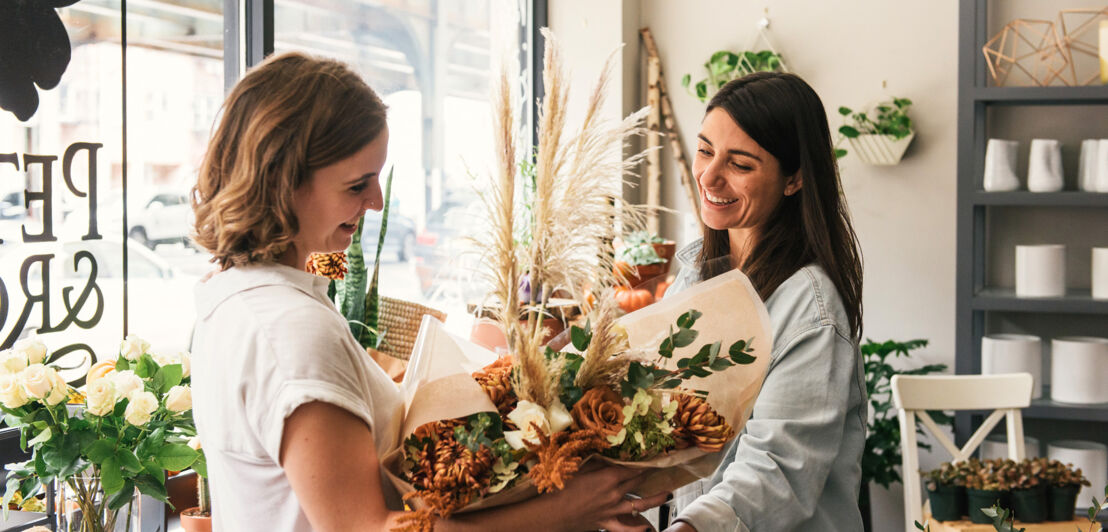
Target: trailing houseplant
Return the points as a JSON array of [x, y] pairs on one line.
[[881, 138], [881, 458], [724, 66]]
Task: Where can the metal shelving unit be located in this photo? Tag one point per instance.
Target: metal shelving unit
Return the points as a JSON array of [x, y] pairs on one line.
[[975, 299]]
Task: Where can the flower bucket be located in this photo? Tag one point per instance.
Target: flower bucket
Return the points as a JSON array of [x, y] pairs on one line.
[[947, 502], [193, 521], [1029, 505], [1061, 502], [979, 499], [881, 150]]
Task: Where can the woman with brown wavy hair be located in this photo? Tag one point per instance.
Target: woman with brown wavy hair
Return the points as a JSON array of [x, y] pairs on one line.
[[292, 412], [771, 205]]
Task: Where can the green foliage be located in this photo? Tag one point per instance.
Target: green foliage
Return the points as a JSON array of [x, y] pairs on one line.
[[371, 335], [639, 254], [890, 118], [882, 452], [1003, 519], [725, 66]]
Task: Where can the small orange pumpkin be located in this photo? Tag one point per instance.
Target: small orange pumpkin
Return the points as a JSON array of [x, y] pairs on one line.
[[632, 299], [660, 290], [99, 370]]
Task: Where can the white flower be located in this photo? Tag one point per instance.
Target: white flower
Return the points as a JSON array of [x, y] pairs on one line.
[[181, 358], [142, 405], [12, 362], [59, 392], [185, 359], [179, 399], [618, 438], [33, 348], [194, 443], [11, 391], [126, 382], [133, 347], [36, 381], [100, 397], [528, 415]]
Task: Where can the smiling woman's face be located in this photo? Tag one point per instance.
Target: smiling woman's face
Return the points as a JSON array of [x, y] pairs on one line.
[[740, 183]]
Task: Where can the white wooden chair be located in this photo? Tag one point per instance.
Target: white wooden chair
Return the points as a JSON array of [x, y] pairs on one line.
[[914, 395]]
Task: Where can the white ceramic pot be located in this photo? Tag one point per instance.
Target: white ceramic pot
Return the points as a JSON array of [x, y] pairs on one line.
[[1044, 170], [1078, 370], [1100, 273], [1000, 166], [996, 446], [1086, 165], [1014, 353], [1041, 270], [882, 150], [1091, 458], [1102, 165]]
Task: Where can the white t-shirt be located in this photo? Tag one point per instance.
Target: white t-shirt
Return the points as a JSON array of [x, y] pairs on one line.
[[268, 340]]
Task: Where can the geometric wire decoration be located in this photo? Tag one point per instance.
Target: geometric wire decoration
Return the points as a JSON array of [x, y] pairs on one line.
[[1073, 39], [1032, 46]]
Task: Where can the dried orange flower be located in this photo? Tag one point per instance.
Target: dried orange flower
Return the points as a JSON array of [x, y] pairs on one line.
[[696, 423], [560, 456], [329, 265], [446, 474], [600, 409], [496, 380], [417, 521]]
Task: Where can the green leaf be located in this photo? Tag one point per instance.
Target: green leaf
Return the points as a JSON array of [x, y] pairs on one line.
[[686, 80], [350, 292], [168, 377], [128, 460], [100, 450], [580, 338], [201, 466], [123, 496], [155, 471], [840, 153], [372, 336], [683, 363], [146, 367], [688, 319], [122, 364], [849, 132], [64, 457], [684, 337], [151, 487], [176, 456], [111, 475], [672, 383], [702, 91], [845, 111], [42, 437], [720, 364], [713, 352]]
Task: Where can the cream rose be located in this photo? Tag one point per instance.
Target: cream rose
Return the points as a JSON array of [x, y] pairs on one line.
[[59, 391], [194, 443], [527, 416], [36, 381], [133, 347], [12, 362], [11, 391], [33, 348], [100, 397], [181, 358], [142, 405], [179, 399], [126, 382], [185, 359]]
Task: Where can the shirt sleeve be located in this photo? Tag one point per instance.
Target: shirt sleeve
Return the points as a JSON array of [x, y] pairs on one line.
[[779, 466]]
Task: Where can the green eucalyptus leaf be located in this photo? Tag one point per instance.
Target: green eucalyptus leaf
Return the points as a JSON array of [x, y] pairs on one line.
[[688, 319], [684, 337], [720, 364]]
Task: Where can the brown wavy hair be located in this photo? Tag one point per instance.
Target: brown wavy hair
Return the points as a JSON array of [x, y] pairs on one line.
[[289, 116], [786, 117]]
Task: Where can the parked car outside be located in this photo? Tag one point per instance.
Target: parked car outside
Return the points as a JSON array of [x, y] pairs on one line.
[[400, 237], [164, 218], [445, 261]]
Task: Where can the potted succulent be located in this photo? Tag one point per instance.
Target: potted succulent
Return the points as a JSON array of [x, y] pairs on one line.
[[880, 140], [1063, 484], [199, 518], [725, 66], [1029, 491], [643, 257], [946, 490], [987, 484]]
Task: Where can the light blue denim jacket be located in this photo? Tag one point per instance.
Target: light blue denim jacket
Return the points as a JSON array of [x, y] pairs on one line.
[[796, 465]]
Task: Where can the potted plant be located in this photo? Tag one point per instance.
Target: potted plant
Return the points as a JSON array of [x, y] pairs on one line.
[[1029, 491], [946, 490], [1063, 484], [725, 66], [199, 518], [880, 140], [641, 258], [133, 426], [987, 484]]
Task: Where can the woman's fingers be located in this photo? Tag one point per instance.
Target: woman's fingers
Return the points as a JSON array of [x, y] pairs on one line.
[[652, 501], [627, 523]]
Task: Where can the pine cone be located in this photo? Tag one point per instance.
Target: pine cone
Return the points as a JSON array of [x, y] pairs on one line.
[[329, 265], [696, 423]]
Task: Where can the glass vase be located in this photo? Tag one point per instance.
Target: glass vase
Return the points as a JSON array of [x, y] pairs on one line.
[[83, 507]]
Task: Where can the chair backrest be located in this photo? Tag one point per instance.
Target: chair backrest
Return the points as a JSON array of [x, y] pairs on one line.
[[914, 395]]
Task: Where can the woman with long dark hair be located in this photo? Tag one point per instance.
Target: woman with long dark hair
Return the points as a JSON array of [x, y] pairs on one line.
[[771, 205]]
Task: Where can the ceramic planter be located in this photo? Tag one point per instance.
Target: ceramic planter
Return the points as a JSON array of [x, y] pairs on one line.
[[979, 499], [882, 150], [195, 523], [666, 250], [947, 502], [1041, 270], [1100, 273], [1044, 170], [996, 446], [1078, 365], [1030, 505], [1014, 353], [1000, 166]]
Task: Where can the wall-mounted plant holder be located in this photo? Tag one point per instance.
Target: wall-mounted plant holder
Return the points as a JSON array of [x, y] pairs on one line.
[[881, 150], [996, 446], [1100, 273], [1000, 166], [1014, 353], [1078, 365], [1044, 170], [1091, 457], [1041, 270]]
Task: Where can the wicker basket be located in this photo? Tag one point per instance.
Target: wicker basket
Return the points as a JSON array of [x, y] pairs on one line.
[[399, 323]]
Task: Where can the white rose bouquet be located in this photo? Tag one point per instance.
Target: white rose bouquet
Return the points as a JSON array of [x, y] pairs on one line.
[[134, 424]]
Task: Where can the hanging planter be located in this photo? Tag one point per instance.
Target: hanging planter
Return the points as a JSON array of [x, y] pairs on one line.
[[880, 140], [881, 150]]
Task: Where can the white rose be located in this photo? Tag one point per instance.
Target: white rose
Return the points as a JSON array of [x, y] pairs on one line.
[[179, 399], [133, 347], [59, 392], [33, 348], [164, 359], [527, 416], [126, 382], [12, 362], [36, 381], [194, 443], [11, 391], [139, 409], [100, 397], [185, 359]]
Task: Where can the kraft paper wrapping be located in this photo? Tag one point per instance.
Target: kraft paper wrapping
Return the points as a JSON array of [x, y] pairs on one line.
[[438, 385]]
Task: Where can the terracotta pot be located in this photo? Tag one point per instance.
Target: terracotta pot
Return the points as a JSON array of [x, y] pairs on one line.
[[666, 250], [486, 333], [195, 523]]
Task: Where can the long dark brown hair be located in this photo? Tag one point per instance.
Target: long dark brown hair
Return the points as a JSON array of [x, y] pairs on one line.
[[786, 118]]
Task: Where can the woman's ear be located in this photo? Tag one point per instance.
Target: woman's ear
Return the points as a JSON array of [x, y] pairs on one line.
[[793, 184]]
